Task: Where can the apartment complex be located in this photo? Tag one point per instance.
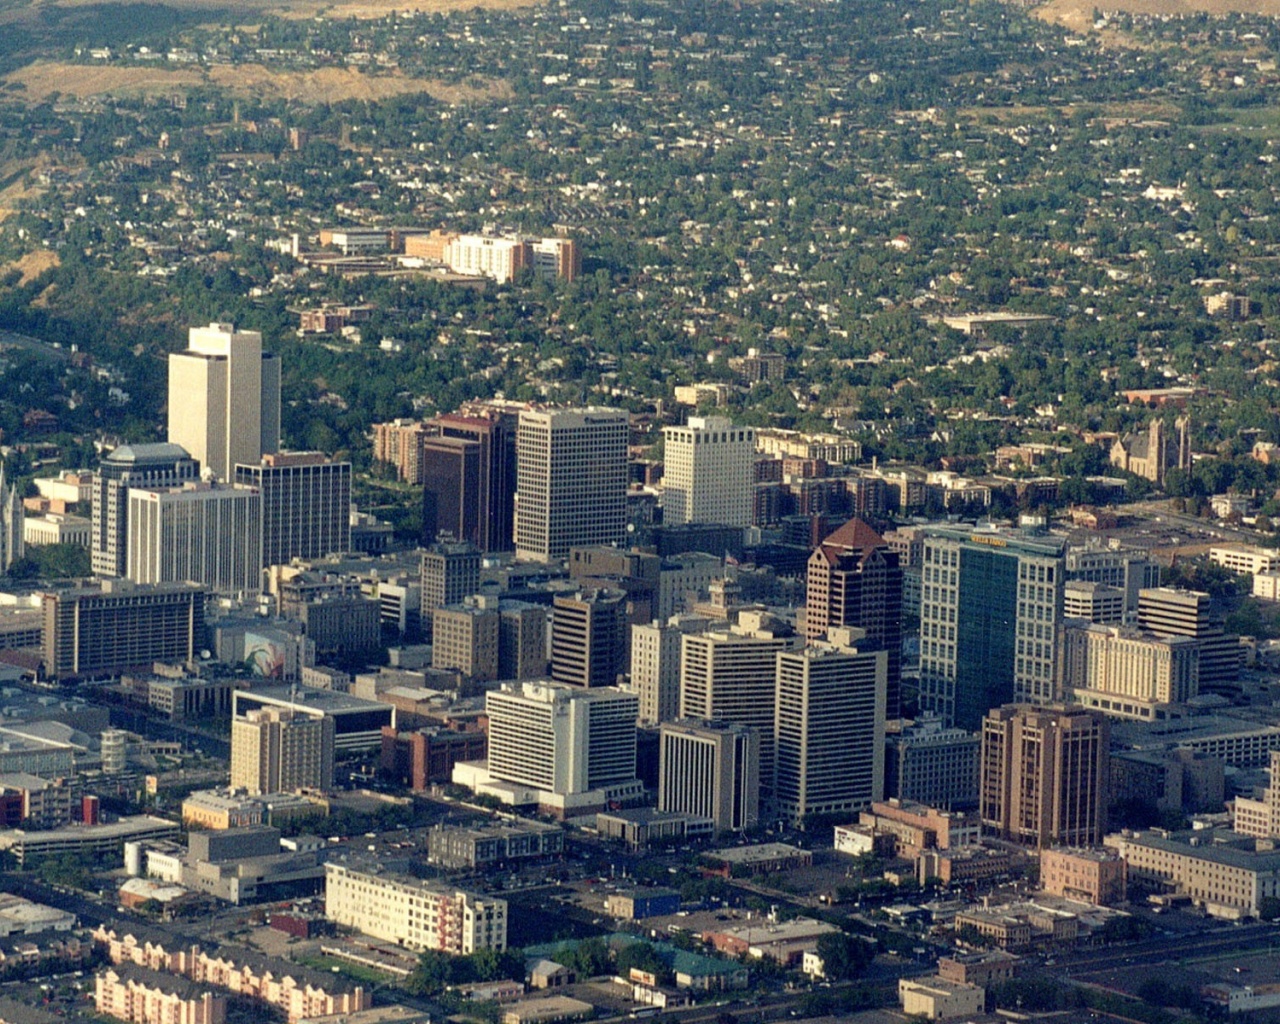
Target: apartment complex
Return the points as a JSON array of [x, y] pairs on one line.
[[1045, 774], [413, 913], [224, 399], [144, 996], [991, 602], [571, 481], [708, 469]]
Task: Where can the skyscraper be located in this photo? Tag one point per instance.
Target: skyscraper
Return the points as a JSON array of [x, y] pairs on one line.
[[572, 481], [710, 770], [207, 533], [589, 637], [708, 472], [451, 489], [829, 727], [306, 504], [855, 579], [224, 398], [1045, 775], [279, 750], [990, 605], [732, 677], [488, 499], [655, 665], [138, 465]]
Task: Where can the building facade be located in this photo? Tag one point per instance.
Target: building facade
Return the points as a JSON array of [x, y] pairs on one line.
[[1126, 673], [712, 771], [140, 465], [708, 472], [306, 504], [589, 635], [280, 750]]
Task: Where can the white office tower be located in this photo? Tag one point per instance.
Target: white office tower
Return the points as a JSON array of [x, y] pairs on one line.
[[707, 472], [730, 677], [201, 532], [224, 399], [655, 665], [564, 749], [571, 481], [830, 728], [710, 770]]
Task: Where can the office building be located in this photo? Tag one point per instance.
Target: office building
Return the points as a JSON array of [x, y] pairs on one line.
[[103, 630], [280, 750], [1094, 602], [1168, 611], [931, 764], [412, 913], [450, 573], [1261, 817], [1127, 673], [708, 472], [710, 770], [829, 731], [854, 579], [466, 637], [566, 749], [522, 640], [418, 759], [571, 481], [731, 676], [655, 665], [991, 602], [1228, 875], [306, 504], [1129, 571], [224, 399], [1085, 875], [140, 465], [486, 845], [357, 723], [469, 477], [1045, 775], [203, 532], [1245, 559], [589, 634]]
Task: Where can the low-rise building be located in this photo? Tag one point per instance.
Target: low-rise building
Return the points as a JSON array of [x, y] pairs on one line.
[[94, 842], [20, 916], [935, 998], [1245, 559], [764, 858], [413, 913], [144, 996], [548, 1010], [1089, 875], [783, 941], [982, 969], [637, 904], [641, 826], [484, 845]]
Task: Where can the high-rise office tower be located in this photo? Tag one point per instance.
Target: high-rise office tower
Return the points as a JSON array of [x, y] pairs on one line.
[[104, 630], [306, 504], [278, 750], [829, 727], [224, 399], [572, 481], [732, 677], [990, 605], [450, 572], [469, 476], [207, 533], [561, 739], [589, 637], [138, 465], [708, 472], [855, 579], [655, 665], [451, 490], [1045, 775], [1168, 611], [710, 770]]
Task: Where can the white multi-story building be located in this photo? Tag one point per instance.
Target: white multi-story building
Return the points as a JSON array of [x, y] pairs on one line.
[[224, 398], [1095, 602], [710, 770], [707, 472], [655, 665], [205, 533], [1125, 672], [829, 727], [731, 677], [412, 913], [561, 747], [1244, 559], [571, 480]]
